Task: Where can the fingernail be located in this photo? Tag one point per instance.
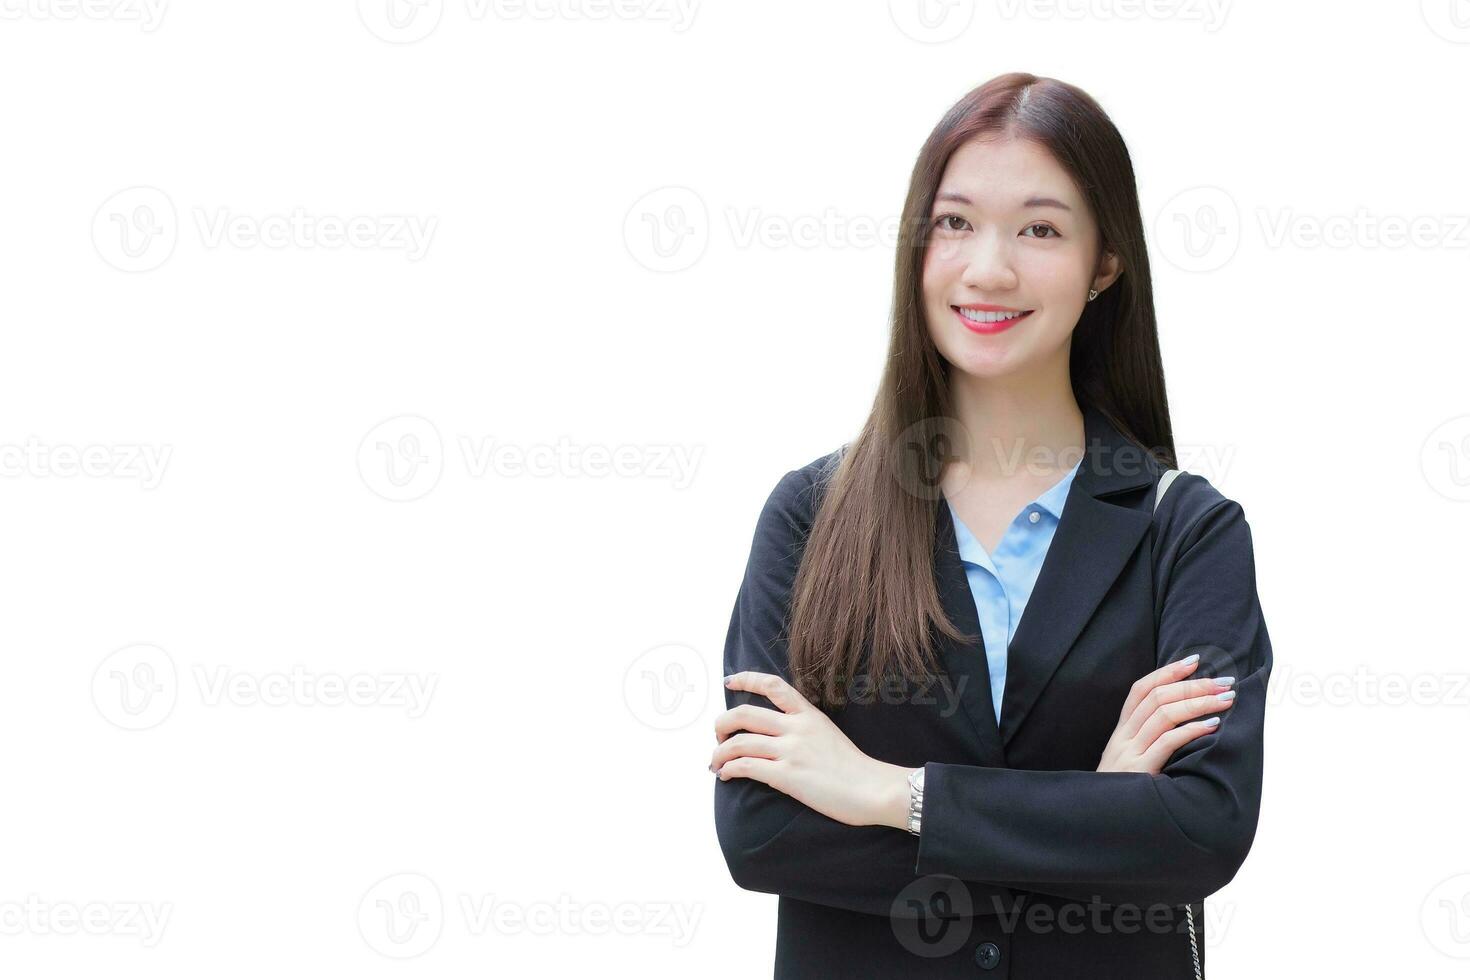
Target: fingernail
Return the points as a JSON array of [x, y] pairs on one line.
[[1225, 681], [1226, 696], [727, 678], [1211, 722], [1189, 659]]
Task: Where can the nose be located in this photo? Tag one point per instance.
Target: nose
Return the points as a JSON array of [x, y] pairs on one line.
[[988, 264]]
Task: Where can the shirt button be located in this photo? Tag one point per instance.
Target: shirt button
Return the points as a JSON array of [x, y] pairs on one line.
[[1035, 516]]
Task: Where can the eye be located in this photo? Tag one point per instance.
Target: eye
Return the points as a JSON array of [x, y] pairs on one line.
[[939, 222], [1041, 224]]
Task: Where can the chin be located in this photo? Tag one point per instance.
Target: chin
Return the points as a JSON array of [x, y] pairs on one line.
[[991, 363]]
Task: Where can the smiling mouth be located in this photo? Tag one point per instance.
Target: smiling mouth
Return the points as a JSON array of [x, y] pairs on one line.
[[990, 316]]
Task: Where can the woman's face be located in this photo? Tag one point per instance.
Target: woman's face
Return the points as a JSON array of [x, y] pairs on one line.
[[1009, 232]]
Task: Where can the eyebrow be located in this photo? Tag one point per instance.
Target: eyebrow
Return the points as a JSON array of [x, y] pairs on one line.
[[1030, 202]]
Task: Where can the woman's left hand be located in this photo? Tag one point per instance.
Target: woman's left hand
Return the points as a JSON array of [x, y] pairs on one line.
[[801, 752]]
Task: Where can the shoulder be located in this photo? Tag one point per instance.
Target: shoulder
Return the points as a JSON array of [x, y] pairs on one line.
[[801, 488], [792, 504], [1195, 512]]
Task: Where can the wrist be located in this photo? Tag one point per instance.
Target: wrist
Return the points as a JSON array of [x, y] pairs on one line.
[[892, 802]]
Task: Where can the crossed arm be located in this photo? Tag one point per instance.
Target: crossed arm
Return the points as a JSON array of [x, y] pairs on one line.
[[1112, 837]]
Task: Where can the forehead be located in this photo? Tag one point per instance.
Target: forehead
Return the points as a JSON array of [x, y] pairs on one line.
[[1004, 173]]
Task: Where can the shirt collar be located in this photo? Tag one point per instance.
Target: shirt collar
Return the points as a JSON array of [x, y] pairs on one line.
[[1052, 501]]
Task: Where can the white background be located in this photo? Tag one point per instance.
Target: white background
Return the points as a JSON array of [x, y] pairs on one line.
[[376, 462]]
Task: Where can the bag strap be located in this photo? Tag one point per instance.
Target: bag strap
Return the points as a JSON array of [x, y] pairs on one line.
[[1164, 482]]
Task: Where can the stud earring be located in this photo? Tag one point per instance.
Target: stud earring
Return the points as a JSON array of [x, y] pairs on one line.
[[1091, 295]]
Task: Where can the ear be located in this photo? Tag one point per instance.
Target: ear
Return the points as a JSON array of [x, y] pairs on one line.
[[1109, 268]]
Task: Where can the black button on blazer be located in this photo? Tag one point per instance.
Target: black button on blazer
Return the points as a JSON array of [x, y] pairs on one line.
[[1031, 864]]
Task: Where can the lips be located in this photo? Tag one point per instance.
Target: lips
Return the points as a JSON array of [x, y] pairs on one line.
[[990, 325]]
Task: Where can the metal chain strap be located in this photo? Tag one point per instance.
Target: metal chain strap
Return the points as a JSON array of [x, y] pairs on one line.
[[1193, 946]]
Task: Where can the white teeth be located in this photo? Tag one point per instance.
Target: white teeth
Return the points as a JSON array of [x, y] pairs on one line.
[[982, 317]]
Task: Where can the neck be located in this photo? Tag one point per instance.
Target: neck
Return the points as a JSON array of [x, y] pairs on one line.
[[1018, 428]]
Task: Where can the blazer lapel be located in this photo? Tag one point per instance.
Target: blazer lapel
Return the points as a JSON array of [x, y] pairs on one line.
[[965, 663], [1092, 543]]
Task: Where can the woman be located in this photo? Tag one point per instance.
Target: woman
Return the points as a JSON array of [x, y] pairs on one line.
[[935, 784]]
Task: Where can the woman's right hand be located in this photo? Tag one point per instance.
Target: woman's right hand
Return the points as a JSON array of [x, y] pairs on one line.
[[1156, 718]]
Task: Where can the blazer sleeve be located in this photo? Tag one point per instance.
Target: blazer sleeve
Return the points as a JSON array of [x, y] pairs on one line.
[[1123, 837], [772, 842]]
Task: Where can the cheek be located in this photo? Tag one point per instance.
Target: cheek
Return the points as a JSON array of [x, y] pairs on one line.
[[936, 279], [929, 272], [1061, 291], [1056, 276], [941, 267]]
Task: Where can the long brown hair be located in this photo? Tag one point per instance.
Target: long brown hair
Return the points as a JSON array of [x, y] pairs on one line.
[[866, 581]]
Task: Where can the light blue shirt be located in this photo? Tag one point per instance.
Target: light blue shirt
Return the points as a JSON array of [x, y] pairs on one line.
[[1002, 583]]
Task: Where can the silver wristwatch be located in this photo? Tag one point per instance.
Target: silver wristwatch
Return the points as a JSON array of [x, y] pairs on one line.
[[916, 799]]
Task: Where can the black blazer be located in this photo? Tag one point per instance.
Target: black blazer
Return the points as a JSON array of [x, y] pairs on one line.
[[1031, 864]]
